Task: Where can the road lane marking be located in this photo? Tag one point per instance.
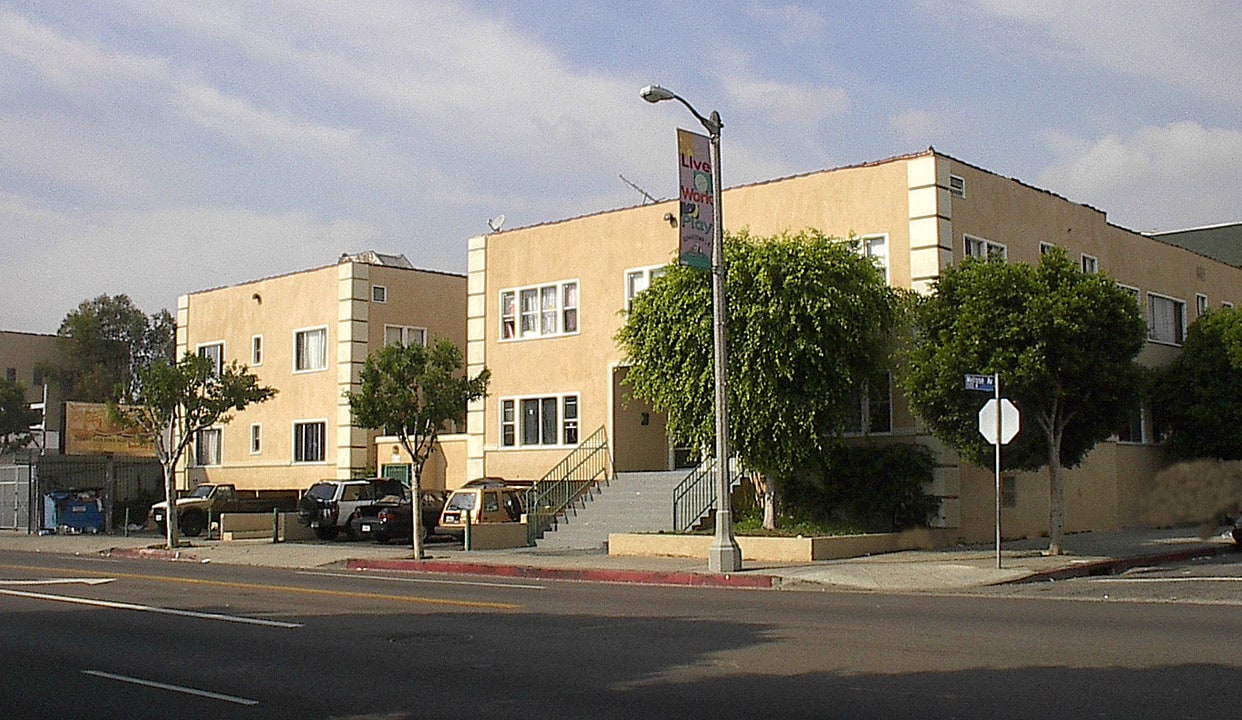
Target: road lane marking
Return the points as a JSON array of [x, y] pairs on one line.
[[1166, 579], [290, 589], [150, 608], [388, 578], [173, 688], [60, 581]]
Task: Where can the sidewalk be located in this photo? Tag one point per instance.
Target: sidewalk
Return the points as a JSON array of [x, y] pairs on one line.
[[922, 570]]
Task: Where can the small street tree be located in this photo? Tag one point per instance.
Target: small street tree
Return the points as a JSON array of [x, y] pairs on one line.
[[1197, 398], [177, 400], [16, 417], [1064, 343], [412, 392], [809, 320], [105, 342]]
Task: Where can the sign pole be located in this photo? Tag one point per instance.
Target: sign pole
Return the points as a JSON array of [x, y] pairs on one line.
[[999, 435]]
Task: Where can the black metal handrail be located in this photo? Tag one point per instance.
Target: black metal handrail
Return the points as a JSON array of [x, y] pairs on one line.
[[574, 475], [695, 497]]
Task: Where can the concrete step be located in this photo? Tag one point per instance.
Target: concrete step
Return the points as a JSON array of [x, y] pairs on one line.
[[630, 502]]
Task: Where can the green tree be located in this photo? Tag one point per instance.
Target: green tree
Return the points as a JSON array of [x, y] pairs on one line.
[[16, 417], [177, 400], [105, 343], [809, 319], [412, 392], [1064, 343], [1197, 399]]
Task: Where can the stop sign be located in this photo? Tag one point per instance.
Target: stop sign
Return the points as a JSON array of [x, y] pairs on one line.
[[1010, 421]]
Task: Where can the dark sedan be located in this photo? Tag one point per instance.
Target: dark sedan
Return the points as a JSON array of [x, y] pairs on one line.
[[392, 521]]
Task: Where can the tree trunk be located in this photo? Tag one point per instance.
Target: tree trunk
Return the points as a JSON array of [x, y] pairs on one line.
[[416, 507], [170, 496], [1056, 497], [766, 494]]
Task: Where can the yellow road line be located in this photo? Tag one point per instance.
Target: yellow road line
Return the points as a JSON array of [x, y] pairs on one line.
[[281, 588]]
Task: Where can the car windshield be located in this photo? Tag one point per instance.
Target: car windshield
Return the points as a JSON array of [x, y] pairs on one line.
[[321, 491], [202, 491], [461, 501]]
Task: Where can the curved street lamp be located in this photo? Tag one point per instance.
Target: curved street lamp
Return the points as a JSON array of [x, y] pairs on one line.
[[724, 555]]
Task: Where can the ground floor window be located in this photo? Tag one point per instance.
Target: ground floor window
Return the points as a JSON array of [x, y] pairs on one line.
[[872, 411], [308, 441], [535, 421], [207, 447]]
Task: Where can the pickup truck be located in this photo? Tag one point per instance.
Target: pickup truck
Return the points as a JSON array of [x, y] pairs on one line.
[[214, 499]]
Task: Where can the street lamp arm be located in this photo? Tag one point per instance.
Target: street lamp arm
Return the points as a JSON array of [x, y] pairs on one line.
[[655, 93]]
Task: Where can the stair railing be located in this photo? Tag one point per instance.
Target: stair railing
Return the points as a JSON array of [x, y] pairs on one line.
[[695, 497], [573, 476]]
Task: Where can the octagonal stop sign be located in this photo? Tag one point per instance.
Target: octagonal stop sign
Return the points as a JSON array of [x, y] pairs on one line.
[[1010, 421]]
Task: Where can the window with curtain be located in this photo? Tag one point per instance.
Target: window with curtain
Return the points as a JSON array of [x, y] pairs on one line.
[[310, 349]]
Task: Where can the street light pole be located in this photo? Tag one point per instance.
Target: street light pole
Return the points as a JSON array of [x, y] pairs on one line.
[[724, 555]]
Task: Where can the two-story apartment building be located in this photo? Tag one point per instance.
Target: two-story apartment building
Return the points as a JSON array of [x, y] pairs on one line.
[[23, 358], [308, 334], [546, 301]]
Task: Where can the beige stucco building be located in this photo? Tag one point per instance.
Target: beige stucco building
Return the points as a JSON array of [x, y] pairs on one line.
[[307, 334], [546, 301], [23, 357]]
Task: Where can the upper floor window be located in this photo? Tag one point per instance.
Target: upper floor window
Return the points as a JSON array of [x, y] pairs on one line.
[[405, 336], [1201, 305], [876, 248], [1166, 319], [957, 186], [539, 311], [207, 447], [215, 353], [1045, 247], [310, 349], [1227, 305], [256, 439], [638, 280], [379, 294], [978, 247], [10, 374], [256, 350], [309, 441], [1090, 264], [551, 420]]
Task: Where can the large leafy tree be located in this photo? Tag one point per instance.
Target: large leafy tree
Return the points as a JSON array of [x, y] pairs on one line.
[[1064, 343], [413, 392], [105, 342], [16, 417], [176, 400], [1197, 399], [809, 320]]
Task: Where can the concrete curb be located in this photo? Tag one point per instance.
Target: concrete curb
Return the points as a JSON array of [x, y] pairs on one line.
[[638, 577], [149, 554], [1113, 566]]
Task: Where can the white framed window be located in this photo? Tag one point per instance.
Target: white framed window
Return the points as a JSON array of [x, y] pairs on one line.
[[405, 335], [256, 438], [876, 248], [309, 440], [1227, 305], [1201, 305], [957, 186], [1138, 298], [640, 279], [213, 351], [1090, 264], [207, 447], [873, 406], [1045, 248], [379, 294], [256, 350], [1166, 319], [310, 349], [539, 421], [977, 247], [539, 311], [1134, 428]]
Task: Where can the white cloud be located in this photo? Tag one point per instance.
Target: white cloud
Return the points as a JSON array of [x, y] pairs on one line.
[[1169, 177], [69, 63], [917, 127], [793, 22], [801, 106]]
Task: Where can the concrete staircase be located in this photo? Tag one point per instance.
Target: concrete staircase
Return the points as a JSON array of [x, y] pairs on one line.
[[630, 502]]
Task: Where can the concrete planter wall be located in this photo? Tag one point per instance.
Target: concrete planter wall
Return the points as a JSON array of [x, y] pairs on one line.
[[782, 549]]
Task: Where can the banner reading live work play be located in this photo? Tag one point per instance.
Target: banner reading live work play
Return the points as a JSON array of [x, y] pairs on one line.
[[697, 214]]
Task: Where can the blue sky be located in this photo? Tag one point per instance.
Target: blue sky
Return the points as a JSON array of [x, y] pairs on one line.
[[158, 147]]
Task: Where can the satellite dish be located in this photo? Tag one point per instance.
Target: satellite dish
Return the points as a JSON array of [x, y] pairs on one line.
[[496, 222]]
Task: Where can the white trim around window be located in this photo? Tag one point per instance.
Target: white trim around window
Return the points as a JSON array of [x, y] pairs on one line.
[[405, 335], [957, 186], [310, 442], [256, 439], [1166, 319], [206, 350], [1201, 305], [379, 294], [1045, 247], [548, 421], [982, 248], [536, 311], [875, 246], [310, 349], [207, 447], [639, 279], [256, 350], [1090, 264]]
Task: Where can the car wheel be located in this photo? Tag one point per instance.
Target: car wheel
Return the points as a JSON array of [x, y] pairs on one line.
[[308, 510], [192, 524], [325, 532]]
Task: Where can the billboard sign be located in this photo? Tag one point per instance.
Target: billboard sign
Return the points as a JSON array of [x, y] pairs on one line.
[[89, 431], [698, 216]]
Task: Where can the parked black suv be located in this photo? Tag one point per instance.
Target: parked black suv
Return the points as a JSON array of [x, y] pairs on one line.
[[328, 505]]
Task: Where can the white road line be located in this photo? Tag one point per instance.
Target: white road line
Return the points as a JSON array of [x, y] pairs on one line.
[[1167, 580], [174, 688], [426, 580], [150, 609], [60, 581]]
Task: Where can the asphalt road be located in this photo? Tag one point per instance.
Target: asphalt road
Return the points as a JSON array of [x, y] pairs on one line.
[[180, 640]]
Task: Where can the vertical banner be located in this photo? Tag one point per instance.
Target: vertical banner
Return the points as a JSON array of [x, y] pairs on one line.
[[697, 214]]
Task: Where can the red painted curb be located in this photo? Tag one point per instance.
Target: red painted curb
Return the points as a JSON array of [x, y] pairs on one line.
[[638, 577]]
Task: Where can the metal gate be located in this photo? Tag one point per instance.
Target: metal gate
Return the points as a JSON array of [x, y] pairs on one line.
[[14, 496]]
